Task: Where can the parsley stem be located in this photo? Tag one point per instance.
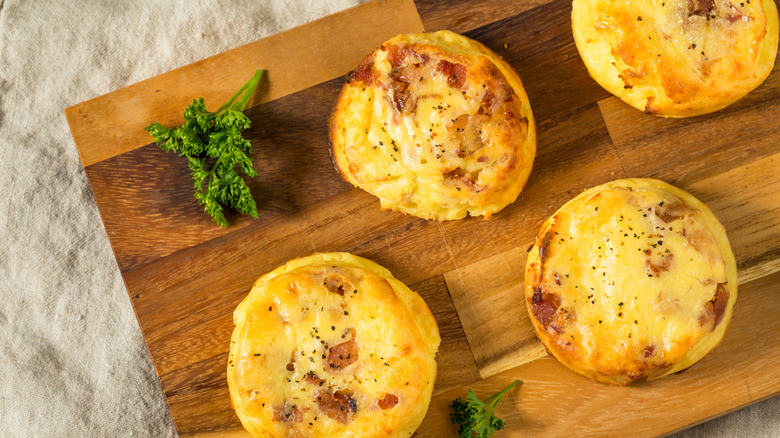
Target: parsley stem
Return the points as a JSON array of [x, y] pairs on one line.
[[249, 88], [497, 396]]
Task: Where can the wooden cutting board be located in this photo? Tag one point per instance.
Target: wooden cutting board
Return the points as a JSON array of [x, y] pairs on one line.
[[185, 275]]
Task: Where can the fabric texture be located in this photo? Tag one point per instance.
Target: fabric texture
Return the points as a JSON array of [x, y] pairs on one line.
[[73, 362]]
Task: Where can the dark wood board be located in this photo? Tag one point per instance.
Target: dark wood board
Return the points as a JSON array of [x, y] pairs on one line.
[[185, 275]]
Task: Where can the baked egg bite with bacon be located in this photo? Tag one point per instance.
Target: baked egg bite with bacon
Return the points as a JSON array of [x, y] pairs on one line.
[[435, 125], [632, 279], [332, 345], [677, 58]]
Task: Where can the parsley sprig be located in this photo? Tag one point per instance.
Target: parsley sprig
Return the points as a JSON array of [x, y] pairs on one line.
[[215, 136], [474, 417]]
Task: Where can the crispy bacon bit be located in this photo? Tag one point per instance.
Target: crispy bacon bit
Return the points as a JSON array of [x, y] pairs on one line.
[[338, 405], [544, 305], [466, 129], [648, 351], [714, 309], [663, 266], [544, 248], [287, 413], [389, 401], [337, 284], [364, 73], [488, 100], [732, 18], [672, 211], [455, 73], [462, 178], [345, 354], [698, 239], [649, 108], [632, 77], [400, 95], [396, 54], [701, 7], [496, 95], [312, 378]]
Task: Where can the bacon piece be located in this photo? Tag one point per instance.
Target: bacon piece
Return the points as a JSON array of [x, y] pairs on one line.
[[400, 95], [733, 18], [338, 405], [364, 73], [313, 378], [460, 177], [466, 130], [287, 413], [663, 266], [672, 211], [396, 54], [343, 355], [544, 305], [388, 401], [701, 7], [648, 351], [714, 309], [544, 248], [337, 284], [455, 73]]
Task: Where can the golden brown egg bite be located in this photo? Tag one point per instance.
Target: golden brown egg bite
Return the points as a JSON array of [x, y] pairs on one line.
[[631, 279], [436, 125], [677, 58], [332, 345]]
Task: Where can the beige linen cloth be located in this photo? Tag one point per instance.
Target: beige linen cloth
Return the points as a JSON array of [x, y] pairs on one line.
[[73, 362]]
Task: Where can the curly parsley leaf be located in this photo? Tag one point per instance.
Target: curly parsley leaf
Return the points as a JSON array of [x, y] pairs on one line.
[[474, 417], [215, 137]]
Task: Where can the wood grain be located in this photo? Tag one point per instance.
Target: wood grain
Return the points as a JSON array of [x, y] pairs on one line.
[[464, 15], [681, 150], [316, 52], [185, 275], [553, 401], [490, 300]]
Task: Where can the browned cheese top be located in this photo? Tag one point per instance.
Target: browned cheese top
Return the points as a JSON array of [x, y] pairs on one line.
[[435, 125], [632, 279], [332, 345], [677, 58]]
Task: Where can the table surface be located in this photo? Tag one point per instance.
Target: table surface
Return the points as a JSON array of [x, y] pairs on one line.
[[73, 359]]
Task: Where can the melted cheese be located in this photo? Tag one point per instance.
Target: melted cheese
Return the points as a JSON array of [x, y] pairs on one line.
[[281, 361], [632, 267], [434, 154], [677, 58]]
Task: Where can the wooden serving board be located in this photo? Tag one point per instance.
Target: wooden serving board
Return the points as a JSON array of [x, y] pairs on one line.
[[185, 275]]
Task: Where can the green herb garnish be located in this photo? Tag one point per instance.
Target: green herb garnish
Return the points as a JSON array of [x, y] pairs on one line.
[[474, 417], [215, 137]]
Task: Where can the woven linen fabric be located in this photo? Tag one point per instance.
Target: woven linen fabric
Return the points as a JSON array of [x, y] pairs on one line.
[[73, 362]]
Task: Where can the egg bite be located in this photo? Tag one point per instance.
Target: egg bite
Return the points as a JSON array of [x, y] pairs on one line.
[[435, 125], [332, 345], [633, 279], [677, 58]]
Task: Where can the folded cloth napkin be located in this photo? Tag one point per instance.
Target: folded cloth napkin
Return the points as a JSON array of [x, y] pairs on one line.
[[73, 362]]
